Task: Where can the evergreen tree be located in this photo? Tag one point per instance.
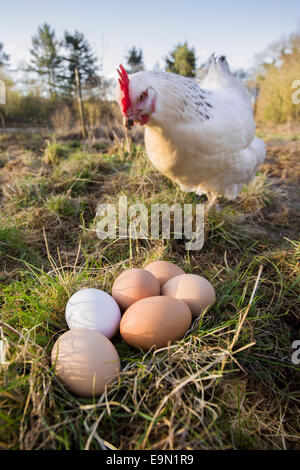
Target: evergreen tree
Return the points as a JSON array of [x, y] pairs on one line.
[[81, 69], [79, 56], [135, 60], [45, 58], [181, 60], [4, 58]]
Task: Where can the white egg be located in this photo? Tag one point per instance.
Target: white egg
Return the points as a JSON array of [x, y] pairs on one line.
[[93, 309]]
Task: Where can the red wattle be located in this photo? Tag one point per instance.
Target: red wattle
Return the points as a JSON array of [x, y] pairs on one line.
[[144, 119]]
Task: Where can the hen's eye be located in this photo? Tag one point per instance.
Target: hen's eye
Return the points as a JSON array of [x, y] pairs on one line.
[[142, 96]]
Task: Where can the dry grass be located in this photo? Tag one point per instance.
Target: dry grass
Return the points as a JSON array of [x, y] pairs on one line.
[[229, 384]]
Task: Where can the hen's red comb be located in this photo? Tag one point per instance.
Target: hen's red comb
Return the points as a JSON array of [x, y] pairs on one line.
[[124, 85]]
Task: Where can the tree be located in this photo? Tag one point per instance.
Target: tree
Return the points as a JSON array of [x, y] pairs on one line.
[[4, 58], [81, 69], [181, 60], [135, 61], [276, 79], [45, 58]]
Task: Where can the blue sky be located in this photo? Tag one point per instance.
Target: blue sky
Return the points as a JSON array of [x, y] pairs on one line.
[[237, 28]]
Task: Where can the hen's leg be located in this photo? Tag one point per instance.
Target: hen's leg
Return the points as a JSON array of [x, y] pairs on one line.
[[208, 199], [212, 199]]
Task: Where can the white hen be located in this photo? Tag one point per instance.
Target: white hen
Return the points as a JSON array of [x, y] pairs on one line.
[[200, 137]]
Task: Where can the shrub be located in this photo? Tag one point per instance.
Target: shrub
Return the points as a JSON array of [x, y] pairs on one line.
[[54, 152]]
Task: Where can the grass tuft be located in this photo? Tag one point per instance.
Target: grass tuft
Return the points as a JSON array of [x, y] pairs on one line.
[[54, 152]]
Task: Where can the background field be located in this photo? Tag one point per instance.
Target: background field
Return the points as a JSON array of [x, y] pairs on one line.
[[230, 383]]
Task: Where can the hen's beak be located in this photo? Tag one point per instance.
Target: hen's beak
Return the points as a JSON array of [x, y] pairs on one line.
[[128, 123]]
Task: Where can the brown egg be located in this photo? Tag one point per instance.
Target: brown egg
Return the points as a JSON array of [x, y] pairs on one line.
[[196, 291], [163, 271], [155, 321], [85, 361], [133, 285]]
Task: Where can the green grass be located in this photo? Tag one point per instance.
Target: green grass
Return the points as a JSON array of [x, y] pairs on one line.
[[11, 240], [229, 384], [278, 136], [54, 152]]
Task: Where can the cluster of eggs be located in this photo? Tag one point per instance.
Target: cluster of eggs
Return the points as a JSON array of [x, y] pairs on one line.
[[159, 303]]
